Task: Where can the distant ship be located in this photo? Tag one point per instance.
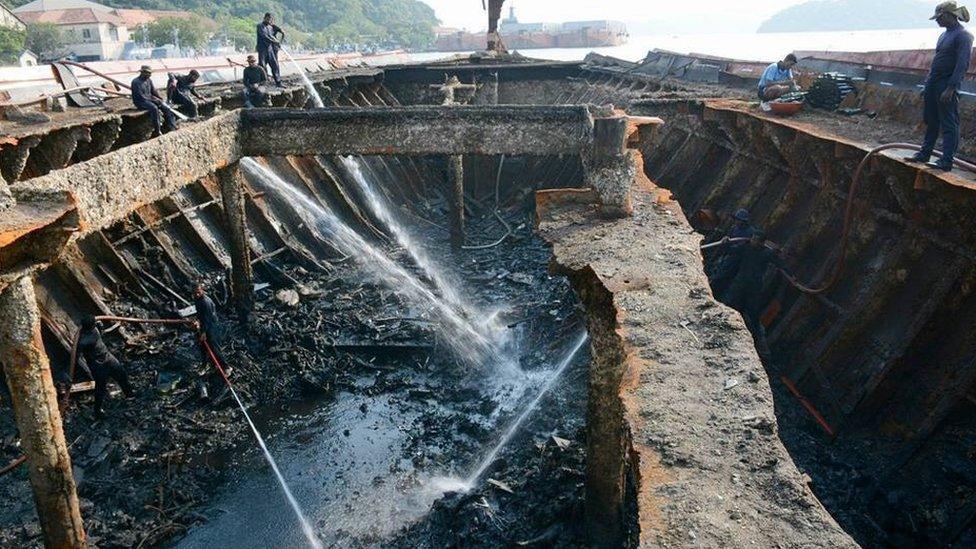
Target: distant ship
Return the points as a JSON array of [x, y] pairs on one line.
[[524, 36]]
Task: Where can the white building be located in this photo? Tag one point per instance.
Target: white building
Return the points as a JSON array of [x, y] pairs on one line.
[[9, 20], [93, 32]]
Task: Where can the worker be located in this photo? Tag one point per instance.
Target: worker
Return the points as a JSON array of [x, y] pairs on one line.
[[208, 326], [145, 97], [940, 90], [254, 77], [180, 88], [724, 266], [268, 45], [745, 292], [102, 363], [777, 79]]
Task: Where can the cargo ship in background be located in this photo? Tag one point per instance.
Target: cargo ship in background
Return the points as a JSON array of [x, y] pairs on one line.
[[525, 36]]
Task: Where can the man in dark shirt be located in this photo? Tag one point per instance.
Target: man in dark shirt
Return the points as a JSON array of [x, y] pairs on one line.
[[145, 97], [180, 88], [941, 87], [103, 364], [723, 268], [268, 45], [208, 326], [745, 292], [254, 77]]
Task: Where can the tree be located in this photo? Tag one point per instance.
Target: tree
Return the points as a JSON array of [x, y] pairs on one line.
[[191, 31], [46, 40], [11, 45]]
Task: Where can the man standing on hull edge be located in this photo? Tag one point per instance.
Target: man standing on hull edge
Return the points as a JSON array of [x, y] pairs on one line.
[[268, 44], [941, 86]]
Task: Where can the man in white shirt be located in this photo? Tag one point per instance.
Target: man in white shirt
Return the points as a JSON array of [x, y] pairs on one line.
[[777, 79]]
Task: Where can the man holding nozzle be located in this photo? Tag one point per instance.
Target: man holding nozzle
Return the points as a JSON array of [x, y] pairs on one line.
[[745, 292], [941, 86], [268, 45], [102, 363]]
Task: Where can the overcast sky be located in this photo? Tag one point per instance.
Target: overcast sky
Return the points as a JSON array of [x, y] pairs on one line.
[[736, 14]]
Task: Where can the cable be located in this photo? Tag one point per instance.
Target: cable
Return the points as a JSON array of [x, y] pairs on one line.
[[508, 228], [849, 215]]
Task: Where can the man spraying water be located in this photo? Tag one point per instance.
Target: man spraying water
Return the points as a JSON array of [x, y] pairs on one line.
[[269, 42]]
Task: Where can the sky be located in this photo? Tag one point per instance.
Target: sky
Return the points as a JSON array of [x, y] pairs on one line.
[[733, 16]]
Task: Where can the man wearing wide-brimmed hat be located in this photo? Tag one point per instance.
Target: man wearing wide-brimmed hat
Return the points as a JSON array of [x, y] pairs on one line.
[[145, 97], [949, 66]]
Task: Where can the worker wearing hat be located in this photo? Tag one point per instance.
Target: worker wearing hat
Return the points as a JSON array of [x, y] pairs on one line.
[[941, 87], [721, 268], [145, 97]]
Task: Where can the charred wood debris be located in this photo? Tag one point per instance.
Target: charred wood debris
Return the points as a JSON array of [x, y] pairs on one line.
[[143, 472]]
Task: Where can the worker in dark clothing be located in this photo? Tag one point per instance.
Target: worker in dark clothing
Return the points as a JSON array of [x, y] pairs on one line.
[[268, 45], [941, 86], [209, 332], [745, 292], [103, 364], [209, 329], [145, 97], [180, 88], [254, 77], [724, 267]]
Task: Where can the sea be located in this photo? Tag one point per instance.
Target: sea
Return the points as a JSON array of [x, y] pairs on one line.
[[746, 46]]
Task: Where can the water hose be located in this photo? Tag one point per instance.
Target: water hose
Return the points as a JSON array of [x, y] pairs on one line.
[[849, 215]]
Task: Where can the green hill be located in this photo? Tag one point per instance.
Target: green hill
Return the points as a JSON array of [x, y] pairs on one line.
[[842, 15], [318, 23]]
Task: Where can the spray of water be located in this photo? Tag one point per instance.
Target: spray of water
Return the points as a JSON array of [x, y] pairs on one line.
[[381, 209], [312, 92], [313, 540], [463, 485], [467, 342]]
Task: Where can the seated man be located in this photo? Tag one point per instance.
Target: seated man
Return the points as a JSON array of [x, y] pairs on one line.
[[777, 79], [254, 77], [145, 97], [180, 88]]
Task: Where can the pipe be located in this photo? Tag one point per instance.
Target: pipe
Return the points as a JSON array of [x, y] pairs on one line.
[[808, 405], [849, 214], [96, 73], [144, 320], [722, 242]]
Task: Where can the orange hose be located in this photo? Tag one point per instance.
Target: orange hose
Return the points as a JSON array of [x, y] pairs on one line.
[[849, 215], [808, 405]]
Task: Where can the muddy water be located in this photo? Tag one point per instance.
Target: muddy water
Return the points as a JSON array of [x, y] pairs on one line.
[[363, 465], [345, 463]]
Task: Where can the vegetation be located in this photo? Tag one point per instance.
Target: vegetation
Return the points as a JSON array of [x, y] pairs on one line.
[[192, 32], [46, 40], [312, 23], [11, 45], [839, 15]]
